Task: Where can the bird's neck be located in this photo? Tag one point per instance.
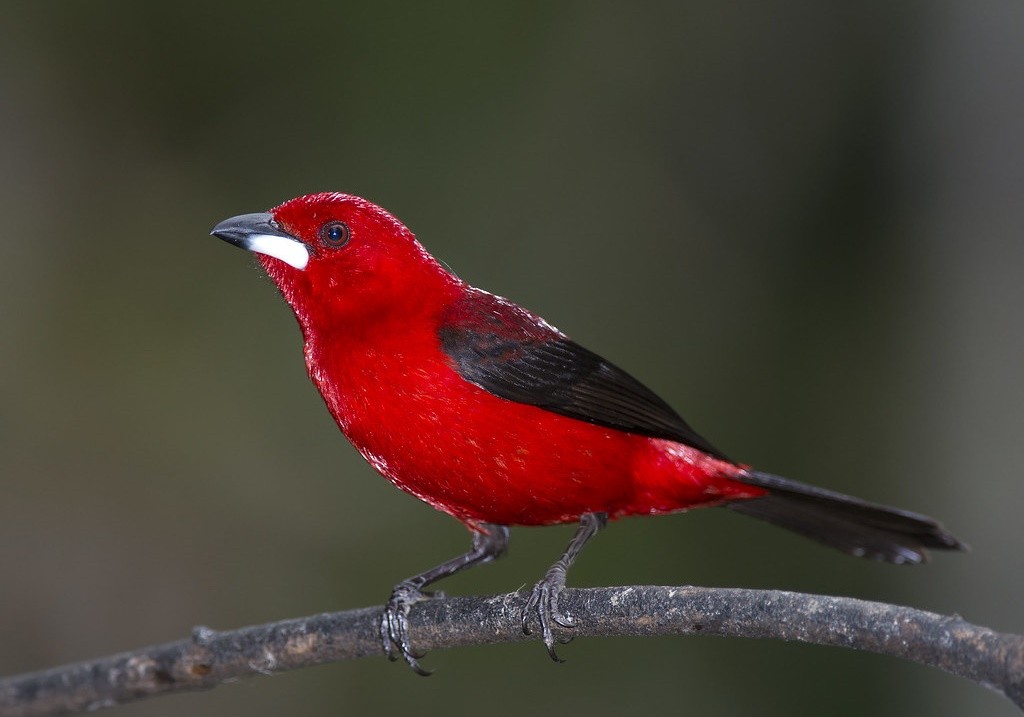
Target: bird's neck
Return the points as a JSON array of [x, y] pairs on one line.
[[364, 335]]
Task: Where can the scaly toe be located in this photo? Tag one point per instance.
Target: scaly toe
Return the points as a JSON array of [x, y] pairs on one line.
[[394, 627], [543, 603], [530, 608], [566, 621]]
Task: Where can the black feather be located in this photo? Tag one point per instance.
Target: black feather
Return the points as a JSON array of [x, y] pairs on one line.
[[513, 354], [850, 524]]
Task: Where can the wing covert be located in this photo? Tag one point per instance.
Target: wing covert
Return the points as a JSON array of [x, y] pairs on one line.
[[515, 355]]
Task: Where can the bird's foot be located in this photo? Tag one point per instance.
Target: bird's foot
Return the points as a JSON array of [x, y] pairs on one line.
[[394, 625], [544, 603]]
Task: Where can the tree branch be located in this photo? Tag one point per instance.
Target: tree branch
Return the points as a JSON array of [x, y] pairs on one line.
[[209, 658]]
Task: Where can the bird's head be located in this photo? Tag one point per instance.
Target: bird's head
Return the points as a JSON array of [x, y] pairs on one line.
[[338, 259]]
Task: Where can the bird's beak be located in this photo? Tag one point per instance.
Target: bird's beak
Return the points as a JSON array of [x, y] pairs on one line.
[[261, 234]]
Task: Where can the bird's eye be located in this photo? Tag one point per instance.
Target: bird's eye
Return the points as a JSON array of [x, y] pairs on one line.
[[335, 234]]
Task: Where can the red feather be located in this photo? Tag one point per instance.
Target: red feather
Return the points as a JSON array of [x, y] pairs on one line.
[[488, 413]]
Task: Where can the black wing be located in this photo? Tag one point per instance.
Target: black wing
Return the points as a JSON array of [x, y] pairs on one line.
[[513, 354]]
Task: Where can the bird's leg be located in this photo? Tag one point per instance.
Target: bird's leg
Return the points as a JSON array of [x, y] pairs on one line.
[[544, 598], [489, 542]]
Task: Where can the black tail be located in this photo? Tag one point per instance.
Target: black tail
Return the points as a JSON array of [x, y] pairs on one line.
[[852, 525]]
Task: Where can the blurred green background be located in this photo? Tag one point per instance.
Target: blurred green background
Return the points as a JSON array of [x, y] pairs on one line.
[[800, 222]]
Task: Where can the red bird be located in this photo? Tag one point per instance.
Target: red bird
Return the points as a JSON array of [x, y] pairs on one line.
[[489, 413]]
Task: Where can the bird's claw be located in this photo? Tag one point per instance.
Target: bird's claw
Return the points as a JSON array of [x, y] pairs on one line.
[[394, 626], [543, 603]]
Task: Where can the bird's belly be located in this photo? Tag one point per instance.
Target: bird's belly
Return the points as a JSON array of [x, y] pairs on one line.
[[482, 458]]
